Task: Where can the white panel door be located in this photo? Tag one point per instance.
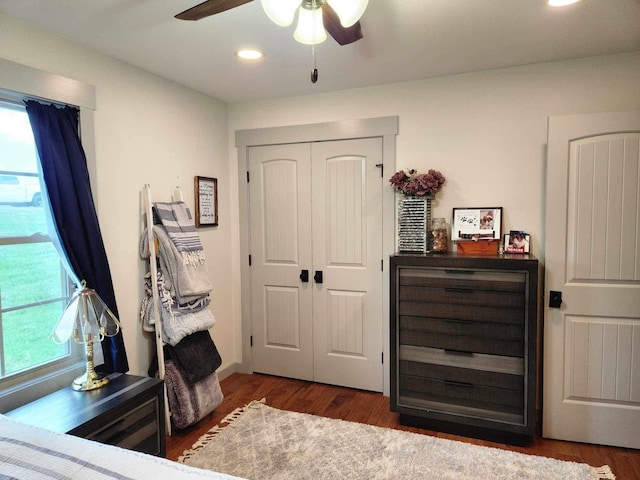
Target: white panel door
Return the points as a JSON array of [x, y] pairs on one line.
[[281, 309], [347, 236], [317, 207], [592, 342]]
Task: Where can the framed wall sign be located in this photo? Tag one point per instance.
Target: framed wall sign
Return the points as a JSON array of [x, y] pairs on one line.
[[206, 193], [477, 224]]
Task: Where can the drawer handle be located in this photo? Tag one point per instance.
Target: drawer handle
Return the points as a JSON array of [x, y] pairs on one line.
[[461, 272], [448, 351], [457, 384], [459, 290]]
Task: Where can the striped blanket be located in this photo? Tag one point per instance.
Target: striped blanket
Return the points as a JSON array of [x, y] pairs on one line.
[[31, 453], [177, 221]]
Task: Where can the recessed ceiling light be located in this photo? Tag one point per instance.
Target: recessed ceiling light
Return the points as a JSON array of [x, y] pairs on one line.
[[249, 54], [561, 3]]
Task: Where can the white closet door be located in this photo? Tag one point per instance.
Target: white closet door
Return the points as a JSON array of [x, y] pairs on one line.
[[347, 249], [280, 211], [592, 342], [317, 207]]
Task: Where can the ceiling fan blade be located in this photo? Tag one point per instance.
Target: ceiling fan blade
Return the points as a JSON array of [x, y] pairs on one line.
[[210, 7], [332, 25]]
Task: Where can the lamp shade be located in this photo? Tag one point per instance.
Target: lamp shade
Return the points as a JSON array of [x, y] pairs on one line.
[[310, 29], [86, 318], [349, 11], [281, 12]]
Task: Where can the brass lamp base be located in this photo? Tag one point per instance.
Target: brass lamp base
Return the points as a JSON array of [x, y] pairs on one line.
[[87, 382], [90, 380]]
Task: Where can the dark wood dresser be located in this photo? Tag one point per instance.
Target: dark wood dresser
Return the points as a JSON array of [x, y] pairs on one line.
[[464, 339], [127, 412]]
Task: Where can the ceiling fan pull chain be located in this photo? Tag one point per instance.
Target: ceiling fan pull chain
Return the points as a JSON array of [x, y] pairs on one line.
[[314, 70]]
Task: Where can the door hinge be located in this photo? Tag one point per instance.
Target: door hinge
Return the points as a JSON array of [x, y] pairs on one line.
[[251, 341], [381, 167], [382, 265], [247, 176], [249, 260], [382, 358]]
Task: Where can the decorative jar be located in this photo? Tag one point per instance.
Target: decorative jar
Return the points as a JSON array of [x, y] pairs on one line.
[[439, 235]]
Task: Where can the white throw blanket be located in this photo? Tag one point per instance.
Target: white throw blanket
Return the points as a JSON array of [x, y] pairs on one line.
[[175, 324]]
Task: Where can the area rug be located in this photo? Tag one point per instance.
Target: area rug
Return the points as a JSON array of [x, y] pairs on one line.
[[264, 443]]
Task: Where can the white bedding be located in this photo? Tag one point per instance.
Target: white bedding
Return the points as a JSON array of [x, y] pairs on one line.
[[31, 453]]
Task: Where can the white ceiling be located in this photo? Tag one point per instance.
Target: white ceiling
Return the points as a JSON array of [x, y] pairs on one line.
[[403, 40]]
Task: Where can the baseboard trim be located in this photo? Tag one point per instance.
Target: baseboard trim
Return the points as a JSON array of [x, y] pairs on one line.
[[228, 370]]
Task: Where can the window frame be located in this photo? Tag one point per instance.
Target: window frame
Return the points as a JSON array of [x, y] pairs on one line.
[[19, 83]]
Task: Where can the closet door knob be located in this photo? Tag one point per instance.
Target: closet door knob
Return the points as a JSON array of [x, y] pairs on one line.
[[318, 276], [304, 276]]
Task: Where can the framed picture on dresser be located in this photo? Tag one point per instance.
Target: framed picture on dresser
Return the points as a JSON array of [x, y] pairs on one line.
[[517, 241], [477, 224]]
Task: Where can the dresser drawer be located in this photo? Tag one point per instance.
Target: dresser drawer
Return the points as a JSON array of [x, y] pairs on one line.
[[461, 375], [462, 296], [136, 430], [488, 280], [464, 336], [454, 391], [475, 361], [459, 311]]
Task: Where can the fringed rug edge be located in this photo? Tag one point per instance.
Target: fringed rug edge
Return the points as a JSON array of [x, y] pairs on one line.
[[213, 431], [603, 473]]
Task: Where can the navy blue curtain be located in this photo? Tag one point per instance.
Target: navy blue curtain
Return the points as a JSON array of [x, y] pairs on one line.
[[64, 168]]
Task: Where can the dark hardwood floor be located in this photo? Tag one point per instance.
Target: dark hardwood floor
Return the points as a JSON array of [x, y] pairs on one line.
[[373, 408]]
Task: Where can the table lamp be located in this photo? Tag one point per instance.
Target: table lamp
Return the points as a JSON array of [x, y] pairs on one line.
[[87, 320]]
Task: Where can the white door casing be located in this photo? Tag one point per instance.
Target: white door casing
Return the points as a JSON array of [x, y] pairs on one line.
[[592, 256], [385, 128]]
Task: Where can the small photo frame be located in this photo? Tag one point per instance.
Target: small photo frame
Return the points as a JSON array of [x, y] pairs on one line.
[[517, 241], [206, 200], [476, 224]]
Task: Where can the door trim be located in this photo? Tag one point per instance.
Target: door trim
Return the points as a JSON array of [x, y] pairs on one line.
[[383, 127]]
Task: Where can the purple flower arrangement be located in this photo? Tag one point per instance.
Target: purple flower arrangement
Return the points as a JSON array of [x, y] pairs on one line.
[[416, 184]]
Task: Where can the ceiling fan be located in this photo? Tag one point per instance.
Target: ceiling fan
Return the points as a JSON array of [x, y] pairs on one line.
[[331, 20]]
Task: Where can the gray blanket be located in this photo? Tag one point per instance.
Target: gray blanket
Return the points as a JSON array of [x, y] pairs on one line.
[[190, 403], [187, 282]]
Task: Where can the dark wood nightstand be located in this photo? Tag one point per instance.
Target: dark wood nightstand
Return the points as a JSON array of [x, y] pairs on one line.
[[127, 412]]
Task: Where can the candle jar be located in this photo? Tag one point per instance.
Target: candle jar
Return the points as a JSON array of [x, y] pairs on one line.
[[439, 235]]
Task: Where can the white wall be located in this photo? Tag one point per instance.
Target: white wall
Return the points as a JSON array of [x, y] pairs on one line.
[[147, 130], [486, 132]]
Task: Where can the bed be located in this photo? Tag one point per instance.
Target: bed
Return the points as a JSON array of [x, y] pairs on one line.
[[30, 453]]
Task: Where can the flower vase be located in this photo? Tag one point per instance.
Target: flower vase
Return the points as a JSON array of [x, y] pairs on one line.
[[414, 218]]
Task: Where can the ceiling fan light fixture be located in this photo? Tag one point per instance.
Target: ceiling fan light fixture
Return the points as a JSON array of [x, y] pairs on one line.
[[310, 29], [249, 54], [281, 12], [349, 11], [561, 3]]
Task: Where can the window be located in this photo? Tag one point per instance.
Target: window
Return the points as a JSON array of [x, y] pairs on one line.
[[34, 287]]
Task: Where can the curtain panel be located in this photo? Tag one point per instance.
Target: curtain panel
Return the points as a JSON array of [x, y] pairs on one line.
[[64, 168]]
